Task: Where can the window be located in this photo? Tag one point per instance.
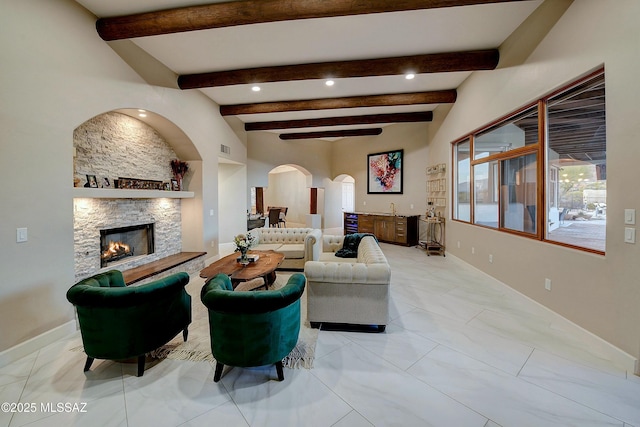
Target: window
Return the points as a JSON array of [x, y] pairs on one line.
[[577, 165], [519, 192], [504, 173], [540, 172], [486, 184], [462, 200]]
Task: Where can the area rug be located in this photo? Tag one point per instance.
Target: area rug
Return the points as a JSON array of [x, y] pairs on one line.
[[198, 345]]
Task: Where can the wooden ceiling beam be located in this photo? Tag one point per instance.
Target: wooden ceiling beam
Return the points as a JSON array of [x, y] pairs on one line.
[[417, 64], [234, 13], [331, 134], [434, 97], [423, 116]]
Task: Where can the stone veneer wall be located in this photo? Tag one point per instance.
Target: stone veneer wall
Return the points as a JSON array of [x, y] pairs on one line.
[[114, 145], [92, 215]]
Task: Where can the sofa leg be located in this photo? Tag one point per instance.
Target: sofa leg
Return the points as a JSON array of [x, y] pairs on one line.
[[315, 325], [185, 334], [88, 363], [381, 328], [218, 374], [280, 371], [141, 365]]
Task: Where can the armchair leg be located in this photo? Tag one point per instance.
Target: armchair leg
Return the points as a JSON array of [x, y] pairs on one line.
[[141, 365], [218, 374], [185, 334], [280, 371], [88, 363]]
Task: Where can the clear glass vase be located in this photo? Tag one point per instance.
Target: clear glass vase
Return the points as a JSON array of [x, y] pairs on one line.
[[244, 259]]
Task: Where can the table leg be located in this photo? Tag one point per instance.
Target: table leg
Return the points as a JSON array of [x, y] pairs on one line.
[[270, 278]]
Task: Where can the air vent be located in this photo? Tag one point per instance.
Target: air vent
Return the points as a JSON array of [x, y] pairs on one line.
[[225, 149]]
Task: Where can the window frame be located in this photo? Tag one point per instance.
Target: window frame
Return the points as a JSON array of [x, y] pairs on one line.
[[539, 149]]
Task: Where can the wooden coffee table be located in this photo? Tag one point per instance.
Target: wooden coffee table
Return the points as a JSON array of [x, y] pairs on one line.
[[265, 267]]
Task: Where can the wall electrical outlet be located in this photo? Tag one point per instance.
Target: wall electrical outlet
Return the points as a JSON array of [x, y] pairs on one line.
[[547, 284], [458, 244], [21, 235], [490, 258], [473, 250]]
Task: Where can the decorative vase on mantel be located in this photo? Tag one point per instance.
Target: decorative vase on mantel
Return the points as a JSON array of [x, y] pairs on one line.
[[179, 169]]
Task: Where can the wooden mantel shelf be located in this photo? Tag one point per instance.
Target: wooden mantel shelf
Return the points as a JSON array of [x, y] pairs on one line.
[[116, 193]]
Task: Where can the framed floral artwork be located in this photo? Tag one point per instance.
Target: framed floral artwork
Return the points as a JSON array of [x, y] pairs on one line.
[[384, 172]]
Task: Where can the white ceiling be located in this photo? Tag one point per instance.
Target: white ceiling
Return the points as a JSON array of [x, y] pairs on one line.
[[451, 29]]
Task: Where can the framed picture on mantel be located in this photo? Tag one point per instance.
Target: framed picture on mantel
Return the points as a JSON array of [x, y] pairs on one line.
[[384, 172]]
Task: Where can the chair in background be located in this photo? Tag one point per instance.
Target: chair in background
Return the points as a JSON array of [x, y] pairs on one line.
[[252, 328], [282, 218], [274, 217], [120, 322]]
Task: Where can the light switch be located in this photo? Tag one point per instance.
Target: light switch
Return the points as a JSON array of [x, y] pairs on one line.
[[629, 235], [21, 235], [630, 216]]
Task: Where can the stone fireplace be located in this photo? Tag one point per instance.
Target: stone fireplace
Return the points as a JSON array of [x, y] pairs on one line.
[[117, 244], [110, 146], [92, 217]]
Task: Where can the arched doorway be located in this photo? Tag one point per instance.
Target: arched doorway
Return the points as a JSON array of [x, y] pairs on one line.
[[343, 194], [289, 187]]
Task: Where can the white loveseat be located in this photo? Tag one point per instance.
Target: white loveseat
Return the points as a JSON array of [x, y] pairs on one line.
[[349, 290], [298, 245]]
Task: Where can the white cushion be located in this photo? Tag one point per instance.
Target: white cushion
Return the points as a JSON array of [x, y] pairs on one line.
[[292, 250], [267, 247]]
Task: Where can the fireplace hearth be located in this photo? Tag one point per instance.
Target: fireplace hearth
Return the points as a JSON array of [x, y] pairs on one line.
[[118, 244]]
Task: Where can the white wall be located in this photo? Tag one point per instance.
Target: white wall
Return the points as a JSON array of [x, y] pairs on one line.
[[349, 157], [289, 189], [332, 211], [327, 160], [232, 207], [268, 151], [599, 293], [56, 74]]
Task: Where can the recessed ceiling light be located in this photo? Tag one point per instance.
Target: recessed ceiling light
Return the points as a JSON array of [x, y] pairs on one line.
[[409, 76], [329, 82], [256, 88]]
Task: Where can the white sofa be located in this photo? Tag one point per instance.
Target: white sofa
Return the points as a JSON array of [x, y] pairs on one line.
[[298, 245], [349, 290]]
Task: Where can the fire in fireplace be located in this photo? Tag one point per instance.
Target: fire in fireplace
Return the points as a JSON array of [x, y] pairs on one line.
[[116, 251], [119, 243]]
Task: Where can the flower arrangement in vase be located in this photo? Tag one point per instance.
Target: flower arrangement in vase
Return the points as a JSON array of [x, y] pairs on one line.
[[179, 169], [243, 243]]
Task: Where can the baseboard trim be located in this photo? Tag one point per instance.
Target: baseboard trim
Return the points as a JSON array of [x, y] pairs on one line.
[[36, 343]]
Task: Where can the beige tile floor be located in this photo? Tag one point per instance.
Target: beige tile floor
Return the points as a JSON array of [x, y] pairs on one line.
[[461, 350]]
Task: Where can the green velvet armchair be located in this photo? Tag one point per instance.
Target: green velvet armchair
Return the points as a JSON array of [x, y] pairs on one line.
[[252, 328], [121, 322]]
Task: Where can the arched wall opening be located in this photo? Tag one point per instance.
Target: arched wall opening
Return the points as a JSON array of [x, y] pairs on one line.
[[289, 186], [123, 144], [339, 198]]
